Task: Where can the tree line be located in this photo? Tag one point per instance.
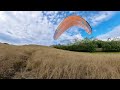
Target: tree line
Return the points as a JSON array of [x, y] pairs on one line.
[[88, 45]]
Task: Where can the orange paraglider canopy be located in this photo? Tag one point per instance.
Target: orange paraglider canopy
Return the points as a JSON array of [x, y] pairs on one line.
[[70, 21]]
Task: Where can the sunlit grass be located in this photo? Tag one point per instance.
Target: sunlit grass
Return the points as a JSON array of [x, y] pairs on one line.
[[41, 62]]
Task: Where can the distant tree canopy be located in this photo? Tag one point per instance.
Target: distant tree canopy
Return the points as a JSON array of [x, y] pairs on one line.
[[88, 45]]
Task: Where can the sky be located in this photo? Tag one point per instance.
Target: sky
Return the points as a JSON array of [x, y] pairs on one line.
[[38, 27]]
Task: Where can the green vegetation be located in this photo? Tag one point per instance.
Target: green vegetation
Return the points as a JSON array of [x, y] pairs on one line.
[[88, 45]]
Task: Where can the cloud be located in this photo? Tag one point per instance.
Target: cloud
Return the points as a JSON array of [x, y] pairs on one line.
[[114, 33], [38, 27], [31, 27], [26, 27], [95, 17], [70, 35], [100, 17], [69, 39]]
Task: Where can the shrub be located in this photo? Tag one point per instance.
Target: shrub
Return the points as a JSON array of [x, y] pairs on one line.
[[85, 47], [91, 46], [113, 46]]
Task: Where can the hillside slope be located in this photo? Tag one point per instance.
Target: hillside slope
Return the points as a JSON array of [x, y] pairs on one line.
[[42, 62]]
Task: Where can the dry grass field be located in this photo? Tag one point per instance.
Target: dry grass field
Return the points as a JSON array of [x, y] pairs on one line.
[[42, 62]]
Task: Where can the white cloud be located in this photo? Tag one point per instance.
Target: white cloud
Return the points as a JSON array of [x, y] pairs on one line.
[[114, 33], [69, 36], [37, 27], [100, 17], [65, 38], [23, 26]]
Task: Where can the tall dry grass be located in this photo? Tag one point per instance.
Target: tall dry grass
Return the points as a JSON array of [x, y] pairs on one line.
[[40, 62]]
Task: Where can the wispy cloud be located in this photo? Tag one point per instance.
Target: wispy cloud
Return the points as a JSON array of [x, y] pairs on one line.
[[26, 26], [38, 27], [114, 33], [69, 36], [100, 17]]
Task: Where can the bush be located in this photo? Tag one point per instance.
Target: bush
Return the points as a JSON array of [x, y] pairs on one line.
[[85, 47], [98, 43], [113, 46], [91, 46]]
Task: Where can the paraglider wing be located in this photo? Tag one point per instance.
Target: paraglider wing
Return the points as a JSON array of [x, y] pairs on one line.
[[72, 21]]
